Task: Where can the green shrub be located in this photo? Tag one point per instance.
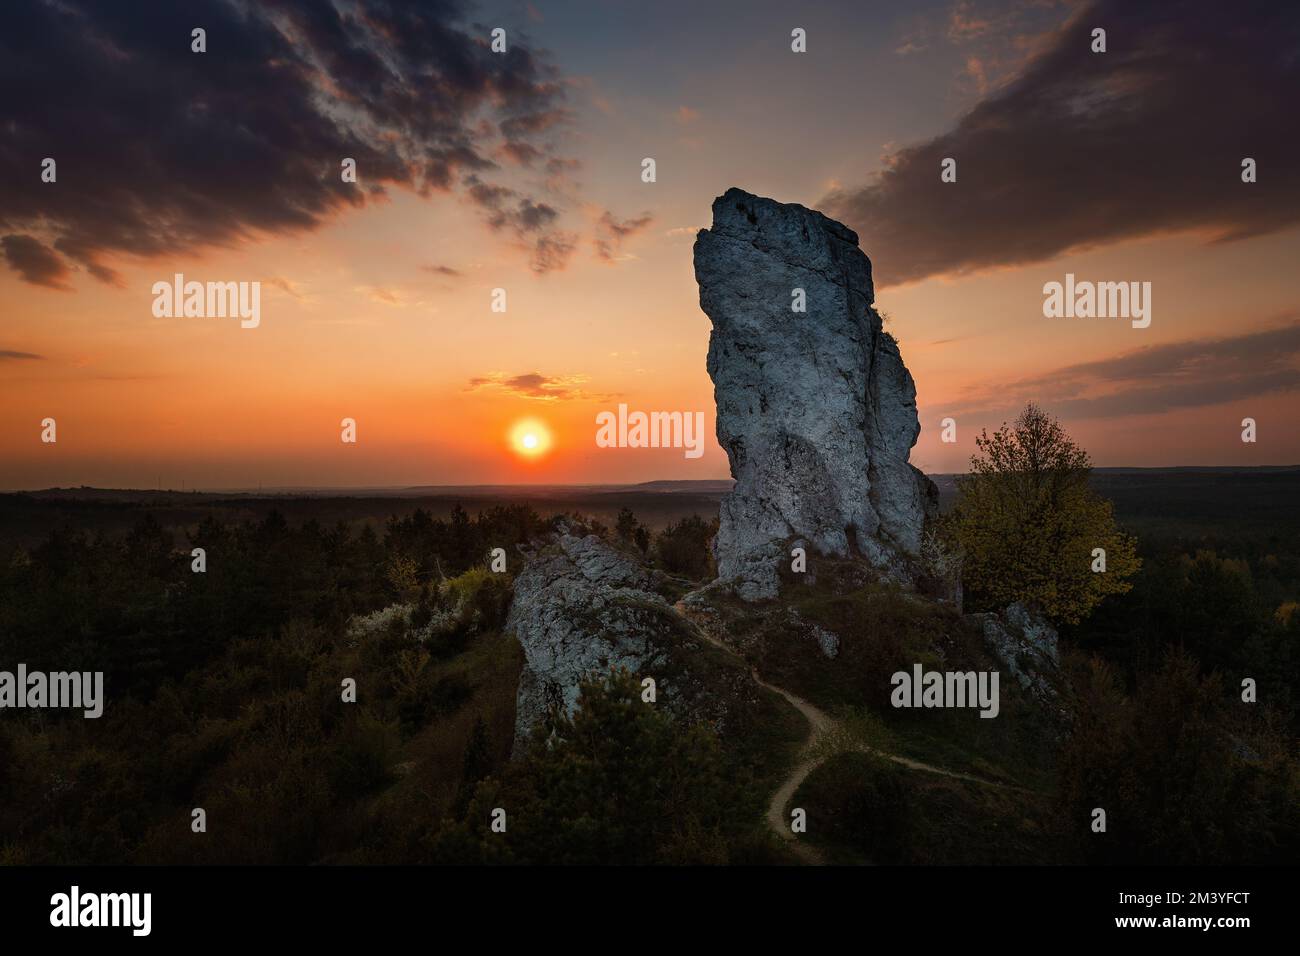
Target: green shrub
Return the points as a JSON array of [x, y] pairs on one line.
[[685, 548], [481, 598]]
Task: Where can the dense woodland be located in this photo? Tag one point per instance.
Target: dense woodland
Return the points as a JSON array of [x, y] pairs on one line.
[[223, 693]]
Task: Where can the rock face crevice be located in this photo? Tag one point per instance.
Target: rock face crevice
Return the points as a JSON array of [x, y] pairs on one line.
[[816, 410]]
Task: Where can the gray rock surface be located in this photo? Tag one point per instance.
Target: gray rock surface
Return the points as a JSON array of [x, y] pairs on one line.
[[816, 410], [581, 607], [1026, 644], [827, 641]]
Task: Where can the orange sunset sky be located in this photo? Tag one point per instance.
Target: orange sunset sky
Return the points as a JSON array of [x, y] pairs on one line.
[[479, 170]]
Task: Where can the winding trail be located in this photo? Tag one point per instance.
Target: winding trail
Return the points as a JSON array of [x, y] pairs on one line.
[[819, 725]]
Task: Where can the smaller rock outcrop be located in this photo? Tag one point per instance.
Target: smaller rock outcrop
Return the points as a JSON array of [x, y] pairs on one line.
[[583, 606], [827, 641], [1026, 644], [580, 607]]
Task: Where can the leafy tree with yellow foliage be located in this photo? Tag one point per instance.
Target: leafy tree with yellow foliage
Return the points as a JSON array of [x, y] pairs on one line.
[[1029, 526]]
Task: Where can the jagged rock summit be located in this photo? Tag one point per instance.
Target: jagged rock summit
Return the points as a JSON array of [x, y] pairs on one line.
[[816, 410]]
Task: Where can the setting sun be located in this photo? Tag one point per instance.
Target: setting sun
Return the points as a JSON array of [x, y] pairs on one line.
[[530, 438]]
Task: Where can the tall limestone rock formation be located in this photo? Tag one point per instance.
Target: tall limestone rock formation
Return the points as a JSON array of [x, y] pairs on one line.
[[816, 409]]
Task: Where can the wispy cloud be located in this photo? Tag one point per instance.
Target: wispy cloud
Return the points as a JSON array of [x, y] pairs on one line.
[[611, 233], [36, 262], [11, 355], [965, 22], [287, 286], [530, 221], [1159, 378], [381, 295], [535, 385]]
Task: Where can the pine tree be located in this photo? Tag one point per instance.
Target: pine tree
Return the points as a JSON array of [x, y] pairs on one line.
[[627, 524]]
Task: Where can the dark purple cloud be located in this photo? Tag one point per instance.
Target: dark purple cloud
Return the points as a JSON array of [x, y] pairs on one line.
[[1155, 379], [611, 233], [529, 221], [36, 262], [160, 149], [1086, 148]]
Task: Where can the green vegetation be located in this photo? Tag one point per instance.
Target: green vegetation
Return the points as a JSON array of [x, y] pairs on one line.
[[684, 548], [865, 809], [1152, 725], [1233, 612], [1185, 774], [1029, 527], [224, 693], [883, 629], [618, 782]]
